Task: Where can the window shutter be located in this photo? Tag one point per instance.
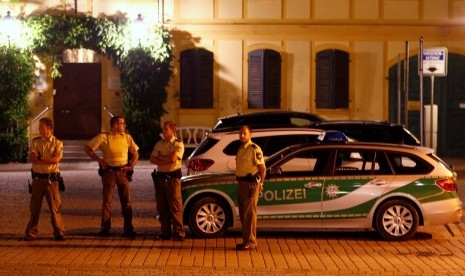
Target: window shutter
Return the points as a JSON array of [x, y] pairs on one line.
[[272, 79], [255, 97], [205, 79], [196, 82], [341, 79], [187, 82], [332, 79], [324, 76]]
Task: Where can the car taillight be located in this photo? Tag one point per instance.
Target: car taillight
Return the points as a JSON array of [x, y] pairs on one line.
[[447, 184], [199, 165]]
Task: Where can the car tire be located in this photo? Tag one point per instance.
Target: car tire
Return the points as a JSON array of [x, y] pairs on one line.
[[397, 220], [209, 217]]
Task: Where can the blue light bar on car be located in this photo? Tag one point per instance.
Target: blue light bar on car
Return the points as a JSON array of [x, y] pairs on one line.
[[333, 137]]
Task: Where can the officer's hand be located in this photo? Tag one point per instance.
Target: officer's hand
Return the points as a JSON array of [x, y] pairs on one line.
[[33, 156]]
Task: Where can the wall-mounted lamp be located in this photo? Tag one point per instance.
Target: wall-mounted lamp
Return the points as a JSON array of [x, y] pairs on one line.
[[138, 31], [9, 29]]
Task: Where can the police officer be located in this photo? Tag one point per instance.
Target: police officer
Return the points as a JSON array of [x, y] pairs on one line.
[[250, 173], [45, 153], [114, 169], [167, 155]]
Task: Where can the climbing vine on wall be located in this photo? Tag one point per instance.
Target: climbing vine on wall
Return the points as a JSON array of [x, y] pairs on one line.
[[17, 76], [145, 67]]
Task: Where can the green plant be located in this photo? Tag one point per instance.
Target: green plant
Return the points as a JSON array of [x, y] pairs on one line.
[[144, 79], [17, 76]]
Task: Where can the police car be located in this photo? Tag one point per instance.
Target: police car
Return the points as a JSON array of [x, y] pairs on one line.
[[391, 189], [217, 152]]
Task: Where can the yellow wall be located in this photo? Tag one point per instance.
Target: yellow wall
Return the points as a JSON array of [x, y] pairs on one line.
[[372, 31]]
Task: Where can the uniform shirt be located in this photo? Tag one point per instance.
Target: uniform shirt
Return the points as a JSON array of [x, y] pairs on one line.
[[249, 156], [166, 148], [46, 148], [114, 146]]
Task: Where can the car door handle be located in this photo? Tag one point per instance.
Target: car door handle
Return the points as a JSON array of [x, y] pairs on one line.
[[378, 182], [313, 185]]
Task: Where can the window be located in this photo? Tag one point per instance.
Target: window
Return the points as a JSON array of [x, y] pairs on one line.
[[361, 162], [273, 143], [305, 163], [264, 79], [196, 78], [408, 164], [332, 79]]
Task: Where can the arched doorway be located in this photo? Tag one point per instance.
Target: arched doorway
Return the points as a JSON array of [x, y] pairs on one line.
[[449, 95], [77, 101]]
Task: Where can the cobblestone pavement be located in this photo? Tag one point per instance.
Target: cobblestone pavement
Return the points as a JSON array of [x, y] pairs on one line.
[[438, 250]]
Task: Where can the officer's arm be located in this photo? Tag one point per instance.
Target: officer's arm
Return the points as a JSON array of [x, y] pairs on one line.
[[134, 159], [262, 170], [88, 150], [163, 159]]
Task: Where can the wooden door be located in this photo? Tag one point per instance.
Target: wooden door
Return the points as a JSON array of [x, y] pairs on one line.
[[77, 101]]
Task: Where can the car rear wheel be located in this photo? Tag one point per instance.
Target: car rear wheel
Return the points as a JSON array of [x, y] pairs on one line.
[[209, 218], [397, 220]]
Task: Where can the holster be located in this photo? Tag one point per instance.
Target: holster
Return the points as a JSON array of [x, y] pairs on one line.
[[61, 184], [129, 175], [154, 176], [100, 171]]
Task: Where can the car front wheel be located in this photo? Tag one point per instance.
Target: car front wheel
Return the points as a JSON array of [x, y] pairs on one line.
[[209, 218], [397, 220]]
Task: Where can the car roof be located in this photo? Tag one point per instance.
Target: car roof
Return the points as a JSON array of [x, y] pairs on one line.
[[278, 131], [233, 122], [268, 113], [355, 122], [384, 146]]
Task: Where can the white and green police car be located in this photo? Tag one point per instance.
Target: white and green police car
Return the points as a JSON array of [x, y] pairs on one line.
[[392, 189]]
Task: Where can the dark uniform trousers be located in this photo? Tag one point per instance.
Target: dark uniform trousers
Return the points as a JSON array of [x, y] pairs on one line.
[[247, 203], [169, 205], [109, 180], [44, 187]]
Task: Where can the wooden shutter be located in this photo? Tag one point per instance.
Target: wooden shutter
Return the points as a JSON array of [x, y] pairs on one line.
[[204, 85], [341, 79], [264, 79], [196, 83], [255, 97], [187, 82], [272, 79], [332, 79]]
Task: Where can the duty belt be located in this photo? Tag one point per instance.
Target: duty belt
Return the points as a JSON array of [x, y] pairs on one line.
[[114, 169], [53, 176], [249, 177], [165, 175]]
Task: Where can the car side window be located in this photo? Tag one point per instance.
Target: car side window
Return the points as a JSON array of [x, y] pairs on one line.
[[408, 164], [306, 163], [361, 162], [277, 143], [232, 148]]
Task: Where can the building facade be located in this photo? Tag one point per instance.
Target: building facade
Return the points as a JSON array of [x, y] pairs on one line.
[[335, 58]]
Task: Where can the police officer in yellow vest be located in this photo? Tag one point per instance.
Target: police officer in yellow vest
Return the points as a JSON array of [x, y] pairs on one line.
[[250, 173], [46, 152], [167, 155], [114, 169]]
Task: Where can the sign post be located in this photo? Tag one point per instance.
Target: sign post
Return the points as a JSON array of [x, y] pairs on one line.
[[434, 64]]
